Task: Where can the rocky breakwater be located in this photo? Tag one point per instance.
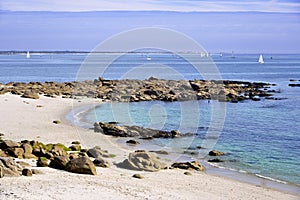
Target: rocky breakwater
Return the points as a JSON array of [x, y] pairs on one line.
[[143, 90]]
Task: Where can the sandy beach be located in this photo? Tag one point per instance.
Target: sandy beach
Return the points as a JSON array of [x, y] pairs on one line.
[[33, 120]]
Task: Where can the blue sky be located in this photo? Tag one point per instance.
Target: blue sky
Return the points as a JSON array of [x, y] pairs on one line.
[[247, 26], [162, 5]]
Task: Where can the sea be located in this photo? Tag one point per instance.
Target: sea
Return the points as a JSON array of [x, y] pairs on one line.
[[259, 138]]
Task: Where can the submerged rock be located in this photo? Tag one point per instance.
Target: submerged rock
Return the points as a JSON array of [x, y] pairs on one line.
[[216, 153]]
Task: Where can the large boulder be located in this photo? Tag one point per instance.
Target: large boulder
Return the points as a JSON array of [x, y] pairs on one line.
[[8, 167], [59, 162], [194, 165], [81, 165], [143, 161]]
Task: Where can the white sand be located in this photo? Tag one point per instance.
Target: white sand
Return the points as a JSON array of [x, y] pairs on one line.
[[22, 119]]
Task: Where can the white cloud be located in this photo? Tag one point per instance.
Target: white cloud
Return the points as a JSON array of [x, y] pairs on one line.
[[162, 5]]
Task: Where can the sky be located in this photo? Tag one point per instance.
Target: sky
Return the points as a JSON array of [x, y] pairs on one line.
[[248, 26]]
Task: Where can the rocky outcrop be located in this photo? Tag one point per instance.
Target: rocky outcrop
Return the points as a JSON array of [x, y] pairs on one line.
[[134, 131], [194, 165], [142, 161], [142, 90], [81, 165]]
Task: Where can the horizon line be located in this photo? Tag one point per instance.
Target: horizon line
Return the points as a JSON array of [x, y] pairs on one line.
[[171, 11]]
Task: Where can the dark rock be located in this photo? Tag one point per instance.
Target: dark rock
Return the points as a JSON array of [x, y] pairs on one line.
[[81, 165], [26, 172], [95, 152], [138, 176], [194, 165], [56, 122], [294, 85], [215, 160], [143, 161], [99, 162], [187, 173], [59, 162], [133, 142], [216, 153]]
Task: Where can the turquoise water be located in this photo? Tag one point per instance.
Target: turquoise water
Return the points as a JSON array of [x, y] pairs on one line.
[[259, 137]]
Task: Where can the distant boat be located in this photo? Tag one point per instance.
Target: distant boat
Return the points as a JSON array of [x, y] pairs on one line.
[[149, 58], [261, 59], [232, 55], [28, 54]]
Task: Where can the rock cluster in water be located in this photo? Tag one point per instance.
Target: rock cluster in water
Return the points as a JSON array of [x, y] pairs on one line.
[[143, 90], [133, 131]]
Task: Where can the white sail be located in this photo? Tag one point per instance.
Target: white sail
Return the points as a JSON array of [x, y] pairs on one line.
[[261, 59], [27, 55]]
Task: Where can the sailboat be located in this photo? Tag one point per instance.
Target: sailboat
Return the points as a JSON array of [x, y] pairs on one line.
[[27, 55], [261, 59]]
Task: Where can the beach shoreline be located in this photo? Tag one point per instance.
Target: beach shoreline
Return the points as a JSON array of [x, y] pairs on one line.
[[33, 120]]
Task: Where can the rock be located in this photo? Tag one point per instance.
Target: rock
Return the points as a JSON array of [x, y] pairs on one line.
[[133, 142], [187, 173], [42, 162], [81, 165], [75, 147], [27, 148], [56, 122], [15, 152], [9, 167], [215, 160], [59, 162], [26, 172], [194, 165], [3, 154], [8, 144], [36, 171], [143, 161], [161, 152], [29, 156], [95, 152], [76, 142], [99, 162], [23, 164], [216, 153], [30, 94], [59, 150], [138, 176]]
